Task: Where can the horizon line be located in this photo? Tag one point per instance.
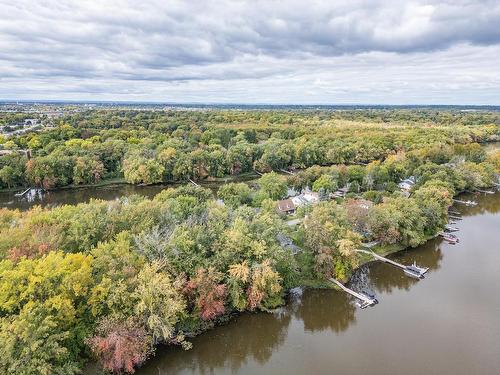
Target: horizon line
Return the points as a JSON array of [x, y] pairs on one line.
[[193, 103]]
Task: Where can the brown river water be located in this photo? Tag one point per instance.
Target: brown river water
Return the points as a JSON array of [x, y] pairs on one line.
[[447, 323]]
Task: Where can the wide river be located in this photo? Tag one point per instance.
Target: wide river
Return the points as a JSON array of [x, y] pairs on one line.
[[447, 323]]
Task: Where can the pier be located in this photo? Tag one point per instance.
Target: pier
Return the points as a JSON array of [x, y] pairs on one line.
[[485, 191], [194, 183], [412, 270], [365, 300], [467, 203], [23, 193]]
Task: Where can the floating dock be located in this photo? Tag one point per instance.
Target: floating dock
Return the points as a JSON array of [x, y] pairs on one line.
[[365, 300], [412, 271]]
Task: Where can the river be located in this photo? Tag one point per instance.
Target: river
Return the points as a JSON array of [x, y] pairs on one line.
[[106, 192], [448, 323], [115, 191]]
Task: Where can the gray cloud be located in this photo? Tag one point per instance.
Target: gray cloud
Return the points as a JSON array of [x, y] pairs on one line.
[[259, 51]]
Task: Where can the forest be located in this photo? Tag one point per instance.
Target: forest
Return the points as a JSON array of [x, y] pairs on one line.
[[148, 147], [111, 280]]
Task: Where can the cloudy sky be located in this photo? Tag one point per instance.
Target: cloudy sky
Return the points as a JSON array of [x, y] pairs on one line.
[[311, 52]]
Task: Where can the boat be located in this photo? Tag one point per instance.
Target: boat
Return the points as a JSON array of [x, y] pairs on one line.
[[449, 228], [450, 238], [415, 271], [453, 237], [454, 212], [470, 203], [370, 294]]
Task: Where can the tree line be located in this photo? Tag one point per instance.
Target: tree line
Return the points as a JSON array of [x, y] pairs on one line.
[[154, 147]]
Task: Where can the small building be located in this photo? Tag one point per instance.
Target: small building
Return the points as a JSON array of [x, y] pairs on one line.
[[30, 122], [340, 193], [286, 206], [5, 152], [290, 205], [407, 184]]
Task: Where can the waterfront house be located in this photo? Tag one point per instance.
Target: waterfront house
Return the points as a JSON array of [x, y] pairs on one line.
[[286, 206]]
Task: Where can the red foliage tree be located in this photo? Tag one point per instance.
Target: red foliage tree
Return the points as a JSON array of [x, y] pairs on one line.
[[208, 293], [120, 345], [27, 250]]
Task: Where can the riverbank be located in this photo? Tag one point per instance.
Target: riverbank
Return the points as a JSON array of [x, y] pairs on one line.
[[449, 315]]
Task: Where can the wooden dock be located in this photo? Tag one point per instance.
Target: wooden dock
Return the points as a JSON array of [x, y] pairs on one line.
[[467, 203], [23, 193], [365, 300], [194, 183], [485, 191], [412, 271]]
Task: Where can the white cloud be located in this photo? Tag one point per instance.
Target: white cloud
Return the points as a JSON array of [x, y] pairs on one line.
[[252, 51]]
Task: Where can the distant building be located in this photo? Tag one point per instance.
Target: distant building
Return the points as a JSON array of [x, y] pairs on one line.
[[407, 184], [5, 152], [30, 121], [340, 193]]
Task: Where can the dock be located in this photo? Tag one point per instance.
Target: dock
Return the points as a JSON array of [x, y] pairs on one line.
[[23, 193], [365, 300], [412, 270], [485, 191], [288, 172], [194, 183], [467, 203]]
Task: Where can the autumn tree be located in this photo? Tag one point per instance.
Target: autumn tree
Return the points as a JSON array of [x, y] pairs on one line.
[[208, 293]]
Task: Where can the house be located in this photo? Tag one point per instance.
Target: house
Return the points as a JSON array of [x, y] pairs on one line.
[[341, 193], [5, 152], [311, 197], [30, 122], [407, 184], [286, 206], [287, 243], [290, 205]]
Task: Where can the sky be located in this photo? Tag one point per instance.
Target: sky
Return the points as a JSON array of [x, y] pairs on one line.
[[267, 52]]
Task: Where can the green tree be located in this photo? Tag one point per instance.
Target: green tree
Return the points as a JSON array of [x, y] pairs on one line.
[[159, 303], [141, 170], [235, 194], [273, 185], [87, 170], [325, 182]]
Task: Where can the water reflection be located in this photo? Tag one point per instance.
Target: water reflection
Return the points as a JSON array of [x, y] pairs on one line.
[[489, 204], [321, 310], [385, 278], [252, 337], [84, 194]]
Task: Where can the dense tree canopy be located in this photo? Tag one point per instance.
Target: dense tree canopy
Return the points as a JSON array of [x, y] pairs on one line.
[[112, 279]]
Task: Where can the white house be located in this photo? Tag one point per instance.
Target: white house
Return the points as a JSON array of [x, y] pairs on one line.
[[407, 184]]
